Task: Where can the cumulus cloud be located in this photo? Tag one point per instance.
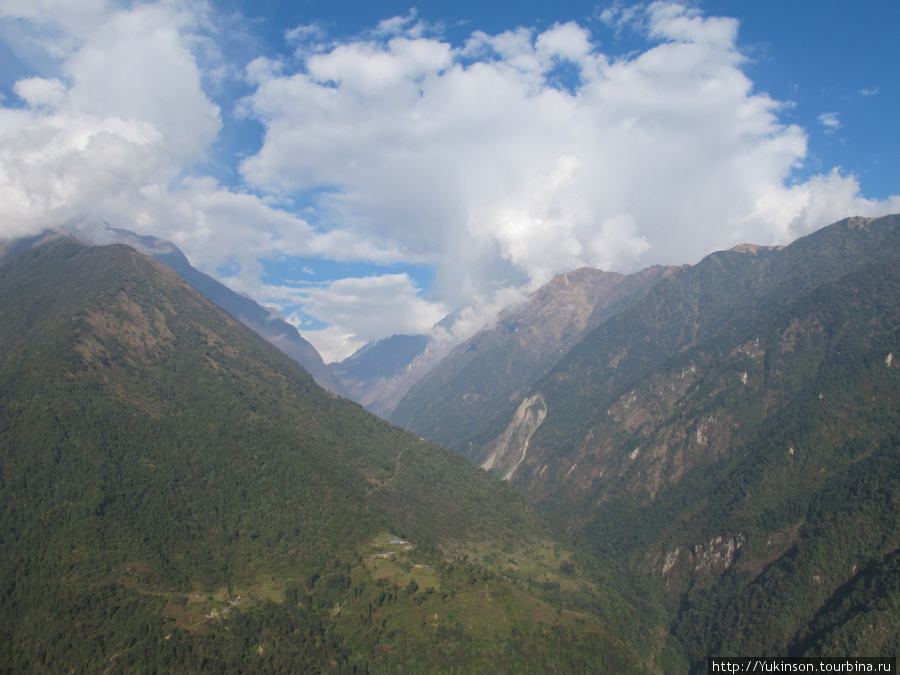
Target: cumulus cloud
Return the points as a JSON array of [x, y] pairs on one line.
[[500, 161], [806, 207], [117, 134], [349, 303], [475, 157], [125, 116]]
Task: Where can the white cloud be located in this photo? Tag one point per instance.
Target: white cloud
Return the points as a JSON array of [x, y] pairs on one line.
[[38, 92], [44, 9], [306, 33], [126, 115], [476, 159], [401, 25], [138, 65], [566, 41], [622, 17], [440, 154], [830, 121], [818, 202], [364, 309], [676, 22]]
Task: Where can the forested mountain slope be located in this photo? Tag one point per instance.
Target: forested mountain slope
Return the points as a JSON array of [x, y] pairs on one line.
[[262, 321], [734, 437], [179, 495], [461, 400]]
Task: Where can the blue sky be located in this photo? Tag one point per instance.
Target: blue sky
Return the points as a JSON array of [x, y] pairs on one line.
[[368, 168]]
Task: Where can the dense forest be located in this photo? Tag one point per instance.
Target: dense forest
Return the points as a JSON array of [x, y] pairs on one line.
[[718, 474], [730, 439], [179, 496]]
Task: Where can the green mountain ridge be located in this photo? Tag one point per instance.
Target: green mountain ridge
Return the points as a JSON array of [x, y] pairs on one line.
[[180, 496], [259, 319], [262, 321], [732, 438], [703, 463]]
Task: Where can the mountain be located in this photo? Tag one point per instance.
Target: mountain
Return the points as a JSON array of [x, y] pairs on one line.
[[379, 373], [460, 400], [711, 458], [734, 437], [180, 496], [10, 248], [265, 322]]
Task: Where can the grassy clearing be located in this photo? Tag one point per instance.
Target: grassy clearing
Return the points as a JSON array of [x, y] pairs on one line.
[[392, 557], [538, 563]]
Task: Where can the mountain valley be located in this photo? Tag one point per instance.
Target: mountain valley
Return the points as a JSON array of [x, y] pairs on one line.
[[731, 433], [646, 470], [180, 495]]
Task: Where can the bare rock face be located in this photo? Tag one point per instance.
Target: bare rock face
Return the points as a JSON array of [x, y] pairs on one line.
[[508, 451], [700, 563], [718, 554]]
